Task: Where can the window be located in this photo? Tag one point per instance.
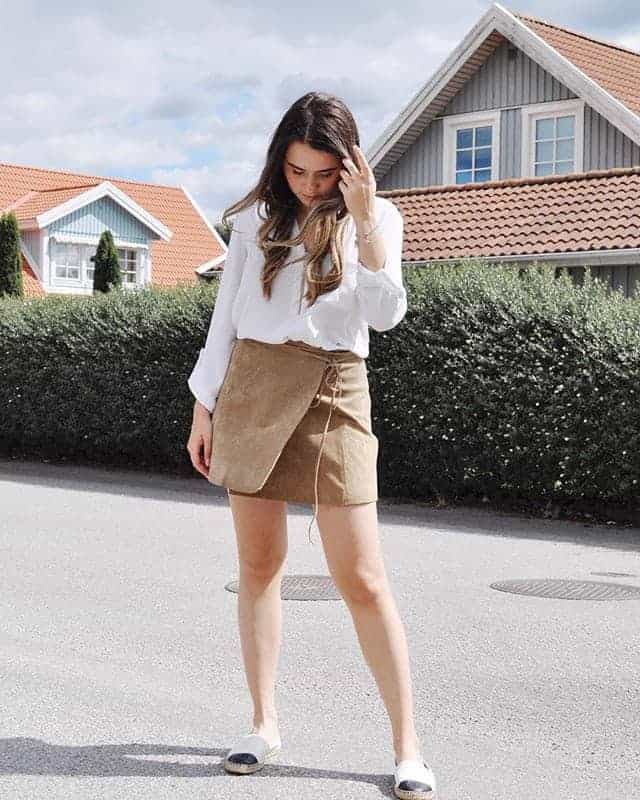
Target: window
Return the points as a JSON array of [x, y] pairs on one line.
[[555, 141], [127, 261], [471, 147], [473, 154], [66, 261], [71, 263], [552, 138]]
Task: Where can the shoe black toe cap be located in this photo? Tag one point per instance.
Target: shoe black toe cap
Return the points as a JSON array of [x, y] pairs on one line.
[[243, 758], [414, 786]]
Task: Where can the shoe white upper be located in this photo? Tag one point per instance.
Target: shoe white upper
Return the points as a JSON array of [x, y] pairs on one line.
[[253, 743], [411, 769]]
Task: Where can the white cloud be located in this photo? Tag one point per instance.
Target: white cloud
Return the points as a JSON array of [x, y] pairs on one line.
[[190, 93]]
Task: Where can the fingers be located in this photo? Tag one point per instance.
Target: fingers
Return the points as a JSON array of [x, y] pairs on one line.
[[199, 449], [361, 164], [207, 451]]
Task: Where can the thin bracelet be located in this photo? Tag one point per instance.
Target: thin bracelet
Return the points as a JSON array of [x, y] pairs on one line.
[[367, 236]]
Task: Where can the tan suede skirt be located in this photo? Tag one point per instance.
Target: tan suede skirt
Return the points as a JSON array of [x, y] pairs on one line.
[[293, 422]]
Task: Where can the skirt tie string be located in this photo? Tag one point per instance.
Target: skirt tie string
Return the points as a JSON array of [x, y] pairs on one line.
[[333, 378]]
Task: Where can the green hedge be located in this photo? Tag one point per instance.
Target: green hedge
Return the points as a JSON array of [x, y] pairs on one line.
[[510, 382], [500, 382], [102, 378]]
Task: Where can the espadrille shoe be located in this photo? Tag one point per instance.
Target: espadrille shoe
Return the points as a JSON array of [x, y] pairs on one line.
[[250, 753], [414, 780]]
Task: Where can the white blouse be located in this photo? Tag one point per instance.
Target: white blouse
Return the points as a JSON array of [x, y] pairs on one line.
[[338, 320]]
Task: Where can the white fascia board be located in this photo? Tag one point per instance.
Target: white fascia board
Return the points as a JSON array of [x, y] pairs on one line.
[[210, 264], [105, 189], [213, 262], [629, 255], [209, 225], [501, 19], [432, 88]]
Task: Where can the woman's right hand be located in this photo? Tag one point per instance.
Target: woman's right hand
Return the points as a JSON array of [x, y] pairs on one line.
[[199, 444]]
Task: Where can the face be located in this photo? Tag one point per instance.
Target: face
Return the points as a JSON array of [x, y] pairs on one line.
[[311, 174]]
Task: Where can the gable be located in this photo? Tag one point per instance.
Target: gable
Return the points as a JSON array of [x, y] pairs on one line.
[[92, 219], [494, 31], [508, 80]]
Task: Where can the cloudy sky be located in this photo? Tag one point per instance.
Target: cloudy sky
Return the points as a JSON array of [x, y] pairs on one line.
[[189, 93]]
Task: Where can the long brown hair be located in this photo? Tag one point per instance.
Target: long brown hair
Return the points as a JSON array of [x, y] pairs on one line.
[[323, 122]]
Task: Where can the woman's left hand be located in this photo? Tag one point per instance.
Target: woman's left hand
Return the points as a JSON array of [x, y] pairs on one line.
[[358, 186]]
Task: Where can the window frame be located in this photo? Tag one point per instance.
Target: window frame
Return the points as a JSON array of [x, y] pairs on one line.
[[88, 249], [451, 124], [555, 108]]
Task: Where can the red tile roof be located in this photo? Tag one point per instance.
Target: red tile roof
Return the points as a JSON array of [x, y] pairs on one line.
[[34, 190], [34, 203], [590, 211], [616, 69]]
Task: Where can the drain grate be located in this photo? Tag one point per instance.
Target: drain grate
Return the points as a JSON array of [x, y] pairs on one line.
[[302, 587], [568, 589], [616, 574]]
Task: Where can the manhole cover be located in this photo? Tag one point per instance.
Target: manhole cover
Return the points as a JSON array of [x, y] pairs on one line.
[[302, 587], [616, 574], [569, 590]]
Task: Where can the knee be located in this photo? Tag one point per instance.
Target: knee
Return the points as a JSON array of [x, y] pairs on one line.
[[257, 575], [363, 589]]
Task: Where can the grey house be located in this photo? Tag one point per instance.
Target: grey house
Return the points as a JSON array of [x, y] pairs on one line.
[[524, 145]]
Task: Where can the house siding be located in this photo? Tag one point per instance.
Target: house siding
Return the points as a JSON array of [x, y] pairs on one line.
[[31, 240], [94, 218], [623, 278], [510, 140], [605, 146], [505, 83], [421, 165], [502, 81]]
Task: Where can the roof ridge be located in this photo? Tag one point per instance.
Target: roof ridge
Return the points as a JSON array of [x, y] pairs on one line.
[[66, 188], [532, 179], [86, 175], [581, 34]]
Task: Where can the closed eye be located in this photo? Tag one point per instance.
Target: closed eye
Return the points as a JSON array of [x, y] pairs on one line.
[[296, 172]]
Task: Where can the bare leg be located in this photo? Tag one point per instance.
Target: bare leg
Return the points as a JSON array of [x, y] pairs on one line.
[[261, 536], [355, 560]]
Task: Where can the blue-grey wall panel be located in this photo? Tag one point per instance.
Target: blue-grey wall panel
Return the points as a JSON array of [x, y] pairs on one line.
[[504, 81], [104, 213], [510, 139], [605, 146], [421, 165], [31, 240]]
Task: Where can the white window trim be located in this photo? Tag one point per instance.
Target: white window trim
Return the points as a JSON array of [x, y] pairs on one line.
[[450, 124], [142, 263], [553, 109]]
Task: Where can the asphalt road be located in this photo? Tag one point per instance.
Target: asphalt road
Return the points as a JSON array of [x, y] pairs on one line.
[[121, 673]]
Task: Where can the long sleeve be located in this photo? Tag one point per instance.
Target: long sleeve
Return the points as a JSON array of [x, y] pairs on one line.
[[209, 371], [381, 295]]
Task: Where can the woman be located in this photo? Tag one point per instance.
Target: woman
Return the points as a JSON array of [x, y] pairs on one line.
[[283, 411]]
